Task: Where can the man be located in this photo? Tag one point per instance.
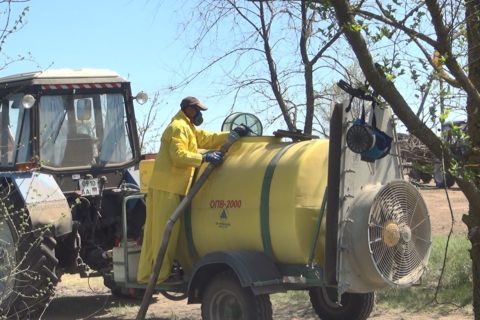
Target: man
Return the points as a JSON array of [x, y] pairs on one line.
[[171, 178]]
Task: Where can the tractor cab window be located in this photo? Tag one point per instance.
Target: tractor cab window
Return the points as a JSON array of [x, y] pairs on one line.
[[83, 130], [14, 133]]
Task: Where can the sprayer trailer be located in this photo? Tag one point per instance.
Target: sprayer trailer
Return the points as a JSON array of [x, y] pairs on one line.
[[293, 213], [285, 212]]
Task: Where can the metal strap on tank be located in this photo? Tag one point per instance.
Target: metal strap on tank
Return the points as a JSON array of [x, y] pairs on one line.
[[313, 246], [265, 201]]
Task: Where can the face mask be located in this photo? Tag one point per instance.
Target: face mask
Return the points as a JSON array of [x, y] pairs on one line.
[[197, 119]]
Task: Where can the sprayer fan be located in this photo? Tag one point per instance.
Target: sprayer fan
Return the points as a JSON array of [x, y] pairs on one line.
[[399, 233], [242, 118]]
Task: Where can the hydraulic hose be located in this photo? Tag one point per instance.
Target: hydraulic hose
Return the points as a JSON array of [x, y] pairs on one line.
[[232, 137]]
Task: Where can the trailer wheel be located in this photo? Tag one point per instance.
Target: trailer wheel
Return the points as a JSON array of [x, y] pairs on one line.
[[27, 257], [354, 306], [225, 299]]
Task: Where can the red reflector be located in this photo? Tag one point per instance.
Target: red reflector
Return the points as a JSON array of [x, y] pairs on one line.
[[25, 166]]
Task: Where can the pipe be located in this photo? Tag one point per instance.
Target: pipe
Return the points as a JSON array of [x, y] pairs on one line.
[[233, 136]]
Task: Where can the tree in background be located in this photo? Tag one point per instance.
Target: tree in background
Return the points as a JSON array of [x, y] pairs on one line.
[[400, 47], [280, 56], [12, 21], [28, 262], [148, 128]]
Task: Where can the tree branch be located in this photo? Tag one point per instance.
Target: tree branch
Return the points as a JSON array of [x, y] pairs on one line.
[[392, 96], [444, 47]]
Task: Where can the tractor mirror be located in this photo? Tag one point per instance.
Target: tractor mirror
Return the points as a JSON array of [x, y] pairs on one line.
[[141, 97]]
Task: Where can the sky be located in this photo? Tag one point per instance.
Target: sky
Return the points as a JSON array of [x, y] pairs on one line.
[[139, 39]]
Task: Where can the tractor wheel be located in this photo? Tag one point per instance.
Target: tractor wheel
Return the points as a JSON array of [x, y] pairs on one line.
[[450, 180], [28, 262], [414, 174], [417, 175], [425, 177], [354, 306], [225, 299], [441, 183]]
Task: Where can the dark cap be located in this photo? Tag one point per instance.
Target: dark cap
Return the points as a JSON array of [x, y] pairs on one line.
[[192, 101]]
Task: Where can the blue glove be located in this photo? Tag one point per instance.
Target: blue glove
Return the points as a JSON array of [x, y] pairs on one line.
[[242, 130], [213, 157]]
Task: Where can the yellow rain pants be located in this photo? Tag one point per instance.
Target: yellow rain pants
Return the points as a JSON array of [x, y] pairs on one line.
[[162, 204]]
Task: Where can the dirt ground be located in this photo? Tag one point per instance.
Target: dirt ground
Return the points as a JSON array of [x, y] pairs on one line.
[[88, 299]]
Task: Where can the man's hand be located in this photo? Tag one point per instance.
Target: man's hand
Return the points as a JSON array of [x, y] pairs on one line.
[[213, 157], [242, 130]]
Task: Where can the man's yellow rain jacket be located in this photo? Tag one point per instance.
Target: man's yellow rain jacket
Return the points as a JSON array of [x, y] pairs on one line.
[[178, 156], [171, 178]]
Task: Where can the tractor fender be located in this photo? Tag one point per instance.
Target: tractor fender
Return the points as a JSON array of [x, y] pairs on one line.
[[253, 269], [44, 200]]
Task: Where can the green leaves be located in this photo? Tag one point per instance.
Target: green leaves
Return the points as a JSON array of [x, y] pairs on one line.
[[356, 27], [443, 116]]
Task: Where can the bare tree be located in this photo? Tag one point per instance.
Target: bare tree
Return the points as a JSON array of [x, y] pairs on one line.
[[275, 55], [148, 128], [12, 21], [446, 27]]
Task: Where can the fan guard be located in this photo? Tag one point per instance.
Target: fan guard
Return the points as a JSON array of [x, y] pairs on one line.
[[243, 118], [399, 234]]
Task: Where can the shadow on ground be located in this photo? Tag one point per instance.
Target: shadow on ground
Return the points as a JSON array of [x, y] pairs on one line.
[[92, 307]]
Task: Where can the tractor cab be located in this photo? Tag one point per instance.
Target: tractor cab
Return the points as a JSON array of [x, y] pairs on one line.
[[68, 121]]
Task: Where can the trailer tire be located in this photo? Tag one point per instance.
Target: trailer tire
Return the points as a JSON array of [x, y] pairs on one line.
[[224, 298], [27, 292], [355, 306]]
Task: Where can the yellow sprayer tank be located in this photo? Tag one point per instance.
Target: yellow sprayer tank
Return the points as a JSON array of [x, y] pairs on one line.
[[260, 222], [266, 196]]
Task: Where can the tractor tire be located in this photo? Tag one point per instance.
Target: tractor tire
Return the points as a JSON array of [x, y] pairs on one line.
[[224, 298], [28, 261], [417, 175], [414, 174], [354, 306], [426, 177], [441, 183], [450, 180]]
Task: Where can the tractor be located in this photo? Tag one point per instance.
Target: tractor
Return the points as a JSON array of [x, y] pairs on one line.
[[68, 142]]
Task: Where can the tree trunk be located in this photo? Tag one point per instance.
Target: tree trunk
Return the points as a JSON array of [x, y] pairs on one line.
[[475, 255], [473, 223], [473, 219], [473, 38], [308, 71]]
